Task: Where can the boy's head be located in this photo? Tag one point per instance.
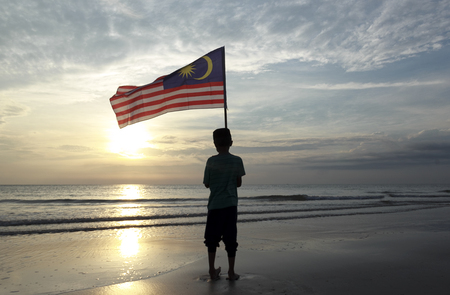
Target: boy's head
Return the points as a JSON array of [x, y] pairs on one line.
[[222, 137]]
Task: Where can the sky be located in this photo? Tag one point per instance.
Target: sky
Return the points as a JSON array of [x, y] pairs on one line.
[[319, 92]]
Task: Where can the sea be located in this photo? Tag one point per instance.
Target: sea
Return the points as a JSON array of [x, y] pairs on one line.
[[59, 209]]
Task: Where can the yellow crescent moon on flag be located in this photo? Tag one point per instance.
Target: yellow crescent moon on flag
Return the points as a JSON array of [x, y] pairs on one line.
[[210, 67]]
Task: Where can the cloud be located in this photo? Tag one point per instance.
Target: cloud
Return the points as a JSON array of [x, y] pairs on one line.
[[433, 141], [429, 147], [360, 86], [356, 35], [378, 151], [75, 148], [40, 40], [430, 135], [8, 110]]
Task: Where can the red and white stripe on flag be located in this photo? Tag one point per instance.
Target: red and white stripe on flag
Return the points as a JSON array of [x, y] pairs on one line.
[[199, 85], [152, 100]]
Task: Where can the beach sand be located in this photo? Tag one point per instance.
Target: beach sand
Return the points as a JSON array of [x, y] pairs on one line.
[[399, 253]]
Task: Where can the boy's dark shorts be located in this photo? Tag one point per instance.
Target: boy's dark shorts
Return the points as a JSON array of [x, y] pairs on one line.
[[221, 225]]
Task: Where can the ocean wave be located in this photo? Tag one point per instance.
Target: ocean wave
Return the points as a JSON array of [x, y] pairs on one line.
[[254, 211], [311, 198], [34, 222], [100, 201], [162, 201], [193, 223], [417, 196], [26, 222], [69, 201]]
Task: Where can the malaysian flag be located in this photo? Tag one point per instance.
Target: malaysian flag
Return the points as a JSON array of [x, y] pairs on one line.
[[199, 85]]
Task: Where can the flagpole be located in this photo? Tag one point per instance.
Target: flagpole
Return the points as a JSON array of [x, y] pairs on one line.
[[224, 90]]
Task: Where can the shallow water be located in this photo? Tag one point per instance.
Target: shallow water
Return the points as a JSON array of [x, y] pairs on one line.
[[38, 209]]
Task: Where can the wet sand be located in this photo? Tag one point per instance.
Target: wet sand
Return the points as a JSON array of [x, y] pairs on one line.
[[399, 253]]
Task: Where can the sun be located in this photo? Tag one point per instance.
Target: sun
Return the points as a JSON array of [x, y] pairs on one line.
[[128, 142], [187, 71]]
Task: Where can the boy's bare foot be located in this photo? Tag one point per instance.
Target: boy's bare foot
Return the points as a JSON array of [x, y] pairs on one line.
[[233, 277], [215, 274]]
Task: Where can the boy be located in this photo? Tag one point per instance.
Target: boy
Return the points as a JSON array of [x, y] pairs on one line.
[[223, 175]]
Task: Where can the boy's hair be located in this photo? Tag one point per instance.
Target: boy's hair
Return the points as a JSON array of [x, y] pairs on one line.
[[222, 137]]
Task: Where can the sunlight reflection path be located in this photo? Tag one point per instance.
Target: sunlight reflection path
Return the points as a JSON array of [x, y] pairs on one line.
[[129, 238]]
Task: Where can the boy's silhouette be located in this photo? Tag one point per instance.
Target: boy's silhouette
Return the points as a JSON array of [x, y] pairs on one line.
[[223, 175]]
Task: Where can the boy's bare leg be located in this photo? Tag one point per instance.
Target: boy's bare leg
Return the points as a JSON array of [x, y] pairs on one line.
[[213, 272], [232, 276]]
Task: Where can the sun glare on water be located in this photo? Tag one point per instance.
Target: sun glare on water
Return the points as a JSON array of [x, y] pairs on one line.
[[129, 241], [130, 192], [128, 141]]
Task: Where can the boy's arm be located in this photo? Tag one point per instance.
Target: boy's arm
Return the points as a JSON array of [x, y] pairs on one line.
[[206, 175], [238, 182], [241, 172]]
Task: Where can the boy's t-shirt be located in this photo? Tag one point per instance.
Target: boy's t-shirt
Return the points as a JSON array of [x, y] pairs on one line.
[[221, 173]]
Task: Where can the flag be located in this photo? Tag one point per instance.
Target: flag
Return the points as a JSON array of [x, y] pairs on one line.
[[199, 85]]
